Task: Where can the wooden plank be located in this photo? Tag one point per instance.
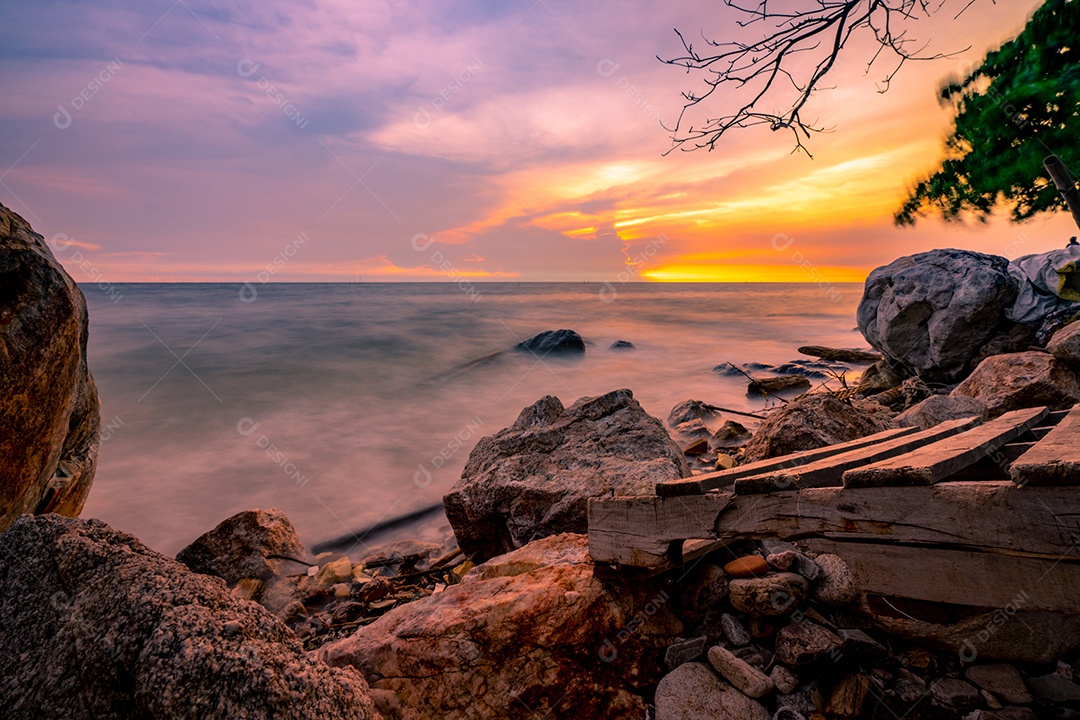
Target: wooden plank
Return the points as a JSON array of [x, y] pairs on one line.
[[829, 470], [641, 531], [936, 461], [961, 577], [1054, 460], [990, 516], [700, 484]]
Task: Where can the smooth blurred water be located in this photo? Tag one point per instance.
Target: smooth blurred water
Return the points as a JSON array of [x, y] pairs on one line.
[[357, 387]]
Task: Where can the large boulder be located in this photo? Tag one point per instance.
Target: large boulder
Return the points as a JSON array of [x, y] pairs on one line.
[[528, 634], [97, 625], [808, 423], [535, 477], [933, 312], [1028, 379], [259, 544], [692, 691], [49, 411]]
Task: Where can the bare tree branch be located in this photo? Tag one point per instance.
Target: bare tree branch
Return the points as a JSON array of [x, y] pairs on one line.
[[770, 72]]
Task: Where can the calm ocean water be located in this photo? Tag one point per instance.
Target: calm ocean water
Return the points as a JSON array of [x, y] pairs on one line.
[[345, 404]]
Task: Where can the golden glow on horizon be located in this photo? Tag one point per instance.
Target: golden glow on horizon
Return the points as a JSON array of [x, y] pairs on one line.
[[790, 273]]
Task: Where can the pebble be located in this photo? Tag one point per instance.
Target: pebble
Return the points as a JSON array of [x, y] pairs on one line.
[[332, 573], [734, 631], [848, 696], [724, 461], [795, 562], [231, 627], [341, 590], [859, 644], [804, 643], [769, 596], [1002, 680], [706, 586], [836, 586], [954, 693], [683, 651], [751, 681], [694, 692], [293, 611], [747, 566], [788, 713], [1054, 688], [783, 680]]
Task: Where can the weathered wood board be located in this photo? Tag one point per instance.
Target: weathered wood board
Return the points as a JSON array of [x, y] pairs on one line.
[[1053, 460], [712, 481], [937, 461], [642, 531], [994, 516], [961, 577], [829, 470]]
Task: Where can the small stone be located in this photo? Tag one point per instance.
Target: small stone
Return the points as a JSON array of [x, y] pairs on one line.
[[334, 572], [783, 679], [954, 693], [910, 691], [312, 571], [292, 612], [622, 345], [231, 627], [1054, 688], [860, 645], [805, 700], [683, 651], [795, 562], [775, 547], [1002, 680], [770, 596], [747, 566], [359, 576], [341, 590], [742, 675], [724, 462], [788, 713], [836, 586], [800, 644], [698, 447], [760, 628], [990, 700], [734, 631], [704, 588], [1064, 670], [731, 434], [848, 696]]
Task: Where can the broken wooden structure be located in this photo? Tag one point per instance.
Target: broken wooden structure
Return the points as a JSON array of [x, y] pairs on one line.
[[967, 512]]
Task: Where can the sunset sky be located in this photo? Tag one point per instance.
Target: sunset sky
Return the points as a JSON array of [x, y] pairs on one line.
[[180, 140]]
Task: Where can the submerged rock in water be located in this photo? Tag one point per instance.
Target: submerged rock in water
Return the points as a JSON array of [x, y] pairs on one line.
[[553, 341], [622, 345], [49, 410], [689, 410], [808, 423], [98, 625], [933, 312], [530, 633], [783, 383], [828, 354], [535, 477]]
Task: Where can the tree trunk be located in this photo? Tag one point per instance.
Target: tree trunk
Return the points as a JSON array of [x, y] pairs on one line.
[[1065, 185]]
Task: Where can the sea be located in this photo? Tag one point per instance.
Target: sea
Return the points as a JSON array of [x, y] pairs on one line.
[[350, 405]]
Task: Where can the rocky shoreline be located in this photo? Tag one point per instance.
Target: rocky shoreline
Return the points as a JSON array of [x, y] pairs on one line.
[[511, 617]]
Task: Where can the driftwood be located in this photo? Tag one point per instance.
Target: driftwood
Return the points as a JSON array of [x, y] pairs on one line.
[[859, 357]]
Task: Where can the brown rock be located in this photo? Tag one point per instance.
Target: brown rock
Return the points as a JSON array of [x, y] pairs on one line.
[[803, 643], [747, 566], [770, 596], [1002, 680], [705, 587], [517, 627], [534, 478], [936, 409], [1065, 344], [807, 423], [747, 678], [954, 693], [731, 434], [836, 585], [1010, 713], [250, 544], [698, 447], [98, 625], [49, 410], [1019, 380]]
